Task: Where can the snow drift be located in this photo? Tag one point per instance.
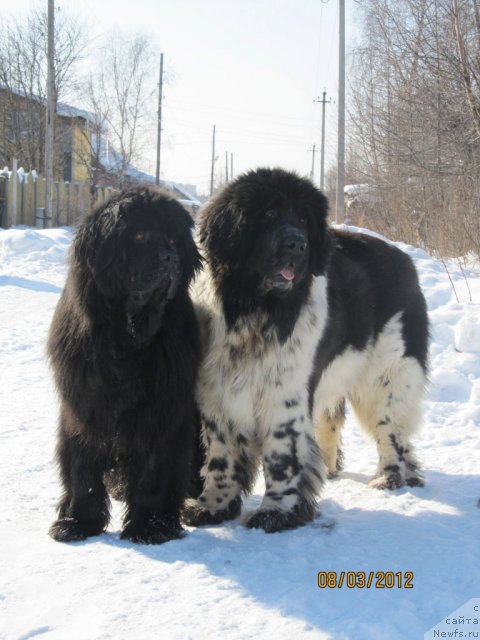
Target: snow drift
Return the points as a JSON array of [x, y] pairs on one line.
[[227, 581]]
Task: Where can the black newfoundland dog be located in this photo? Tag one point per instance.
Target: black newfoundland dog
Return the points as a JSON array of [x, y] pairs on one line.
[[298, 318], [124, 346]]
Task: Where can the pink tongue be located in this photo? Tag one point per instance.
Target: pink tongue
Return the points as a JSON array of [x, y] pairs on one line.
[[287, 273]]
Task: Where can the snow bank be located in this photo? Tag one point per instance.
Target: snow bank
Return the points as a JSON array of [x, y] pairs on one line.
[[226, 581], [467, 330]]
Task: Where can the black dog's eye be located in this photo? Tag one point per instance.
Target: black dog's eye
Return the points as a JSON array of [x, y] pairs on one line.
[[141, 236], [270, 214], [302, 219]]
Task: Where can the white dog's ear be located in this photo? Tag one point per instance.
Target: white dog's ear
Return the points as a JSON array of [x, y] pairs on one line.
[[221, 231]]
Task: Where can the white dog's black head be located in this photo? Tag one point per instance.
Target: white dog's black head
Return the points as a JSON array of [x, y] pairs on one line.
[[265, 237]]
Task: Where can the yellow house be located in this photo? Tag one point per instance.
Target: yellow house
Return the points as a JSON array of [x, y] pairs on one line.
[[75, 129], [22, 135]]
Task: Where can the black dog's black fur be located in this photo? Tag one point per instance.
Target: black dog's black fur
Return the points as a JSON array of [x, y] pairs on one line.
[[124, 347]]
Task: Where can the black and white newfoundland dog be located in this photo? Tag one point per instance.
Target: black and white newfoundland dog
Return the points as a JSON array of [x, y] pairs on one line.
[[298, 318], [125, 347]]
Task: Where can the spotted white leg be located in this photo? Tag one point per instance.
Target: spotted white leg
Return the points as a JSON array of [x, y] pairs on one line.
[[390, 411], [294, 475], [228, 472], [397, 463]]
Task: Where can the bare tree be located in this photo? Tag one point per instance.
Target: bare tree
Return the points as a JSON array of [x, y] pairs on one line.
[[415, 120], [121, 93], [23, 71]]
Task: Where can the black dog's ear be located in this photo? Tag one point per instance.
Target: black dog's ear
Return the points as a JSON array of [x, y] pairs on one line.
[[95, 245], [320, 236], [220, 231], [192, 261]]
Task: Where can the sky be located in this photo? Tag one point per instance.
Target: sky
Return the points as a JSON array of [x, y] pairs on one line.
[[251, 68]]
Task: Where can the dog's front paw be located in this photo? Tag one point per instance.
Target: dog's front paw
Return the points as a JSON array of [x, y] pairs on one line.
[[196, 514], [72, 530], [272, 520], [152, 530]]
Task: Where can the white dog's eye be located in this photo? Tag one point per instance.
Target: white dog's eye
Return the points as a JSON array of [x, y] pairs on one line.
[[141, 236]]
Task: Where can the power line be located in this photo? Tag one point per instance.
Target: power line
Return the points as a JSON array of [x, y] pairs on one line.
[[207, 109]]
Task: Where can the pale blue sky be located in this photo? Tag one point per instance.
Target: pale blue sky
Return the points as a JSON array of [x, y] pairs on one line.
[[251, 67]]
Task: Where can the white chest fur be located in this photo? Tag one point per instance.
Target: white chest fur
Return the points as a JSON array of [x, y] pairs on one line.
[[247, 375]]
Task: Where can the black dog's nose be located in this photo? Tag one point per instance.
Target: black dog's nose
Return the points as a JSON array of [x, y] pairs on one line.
[[294, 240], [168, 255]]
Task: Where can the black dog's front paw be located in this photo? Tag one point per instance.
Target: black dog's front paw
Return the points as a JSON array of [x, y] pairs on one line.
[[70, 529], [195, 514], [153, 530]]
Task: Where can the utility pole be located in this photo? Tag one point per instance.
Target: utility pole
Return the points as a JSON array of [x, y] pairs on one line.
[[340, 208], [323, 101], [231, 166], [213, 162], [50, 115], [226, 167], [159, 127], [312, 172]]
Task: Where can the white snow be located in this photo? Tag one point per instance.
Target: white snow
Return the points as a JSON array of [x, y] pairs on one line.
[[467, 330], [227, 581]]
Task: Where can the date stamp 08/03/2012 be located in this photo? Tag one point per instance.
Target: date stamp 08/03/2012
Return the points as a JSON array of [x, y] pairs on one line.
[[365, 579]]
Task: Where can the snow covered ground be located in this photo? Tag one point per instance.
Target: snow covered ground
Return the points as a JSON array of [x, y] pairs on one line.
[[227, 581]]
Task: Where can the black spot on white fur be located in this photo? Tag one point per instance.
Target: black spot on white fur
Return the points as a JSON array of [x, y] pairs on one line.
[[217, 464]]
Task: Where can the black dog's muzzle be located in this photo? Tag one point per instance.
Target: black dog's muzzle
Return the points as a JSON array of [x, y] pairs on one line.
[[161, 274]]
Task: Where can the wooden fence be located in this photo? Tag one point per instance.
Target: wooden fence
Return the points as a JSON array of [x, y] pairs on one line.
[[22, 197]]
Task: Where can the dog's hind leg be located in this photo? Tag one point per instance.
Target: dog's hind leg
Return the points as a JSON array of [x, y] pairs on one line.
[[83, 510], [388, 406], [328, 431]]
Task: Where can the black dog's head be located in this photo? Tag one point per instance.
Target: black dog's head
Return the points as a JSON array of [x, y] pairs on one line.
[[268, 230], [137, 251]]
